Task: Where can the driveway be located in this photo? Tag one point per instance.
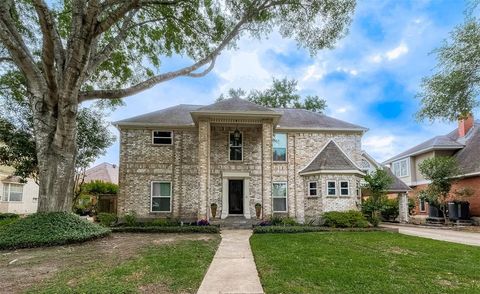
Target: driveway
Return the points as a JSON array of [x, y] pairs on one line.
[[441, 234]]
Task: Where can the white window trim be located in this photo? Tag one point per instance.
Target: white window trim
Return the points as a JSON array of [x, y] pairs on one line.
[[158, 144], [328, 194], [151, 196], [230, 150], [399, 162], [316, 189], [340, 188], [9, 192], [286, 149], [286, 197], [420, 206]]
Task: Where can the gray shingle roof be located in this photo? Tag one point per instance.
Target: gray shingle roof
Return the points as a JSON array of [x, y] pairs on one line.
[[181, 115], [305, 119], [468, 158], [173, 116], [438, 142], [330, 158], [397, 185], [234, 105]]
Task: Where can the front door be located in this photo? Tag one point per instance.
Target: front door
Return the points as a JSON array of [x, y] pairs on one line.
[[235, 196]]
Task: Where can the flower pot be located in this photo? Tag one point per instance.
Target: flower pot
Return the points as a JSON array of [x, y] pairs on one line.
[[214, 210]]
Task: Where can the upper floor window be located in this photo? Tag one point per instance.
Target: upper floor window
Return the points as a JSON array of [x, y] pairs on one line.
[[344, 188], [162, 137], [236, 145], [400, 168], [280, 147], [12, 192]]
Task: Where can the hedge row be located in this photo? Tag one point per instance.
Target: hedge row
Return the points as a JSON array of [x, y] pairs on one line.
[[49, 229], [171, 229], [306, 229]]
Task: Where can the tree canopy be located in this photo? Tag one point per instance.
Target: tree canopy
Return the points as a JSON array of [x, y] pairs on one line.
[[282, 93], [451, 93], [69, 52]]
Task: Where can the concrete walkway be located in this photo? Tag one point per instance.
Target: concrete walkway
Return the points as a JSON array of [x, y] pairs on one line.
[[233, 269], [438, 234]]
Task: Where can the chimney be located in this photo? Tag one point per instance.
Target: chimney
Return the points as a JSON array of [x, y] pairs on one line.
[[464, 125]]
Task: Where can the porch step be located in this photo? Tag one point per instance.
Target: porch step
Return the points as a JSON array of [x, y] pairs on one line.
[[234, 222]]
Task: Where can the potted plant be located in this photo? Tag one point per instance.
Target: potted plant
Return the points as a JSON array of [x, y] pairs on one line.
[[214, 206], [258, 209]]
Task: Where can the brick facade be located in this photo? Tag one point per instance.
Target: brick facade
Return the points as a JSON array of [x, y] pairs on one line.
[[198, 166]]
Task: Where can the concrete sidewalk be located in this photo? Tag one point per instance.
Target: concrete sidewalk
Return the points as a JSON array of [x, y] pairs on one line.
[[233, 269], [438, 234]]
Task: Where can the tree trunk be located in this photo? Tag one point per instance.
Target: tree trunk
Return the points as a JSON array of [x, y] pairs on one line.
[[55, 138]]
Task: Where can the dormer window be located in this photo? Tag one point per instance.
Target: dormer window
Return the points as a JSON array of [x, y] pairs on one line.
[[162, 137]]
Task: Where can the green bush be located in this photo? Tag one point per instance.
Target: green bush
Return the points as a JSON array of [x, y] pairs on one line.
[[131, 219], [8, 216], [306, 229], [98, 187], [389, 210], [107, 219], [282, 221], [161, 222], [169, 229], [48, 229], [345, 219]]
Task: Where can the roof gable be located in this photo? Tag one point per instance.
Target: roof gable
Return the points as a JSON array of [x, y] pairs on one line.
[[330, 158]]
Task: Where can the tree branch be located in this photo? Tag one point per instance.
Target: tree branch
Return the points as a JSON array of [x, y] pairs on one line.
[[186, 71], [17, 49], [52, 45]]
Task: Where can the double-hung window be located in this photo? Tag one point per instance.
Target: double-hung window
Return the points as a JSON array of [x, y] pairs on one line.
[[312, 189], [12, 192], [279, 195], [344, 188], [162, 137], [331, 188], [422, 205], [280, 147], [161, 196], [400, 168], [236, 146]]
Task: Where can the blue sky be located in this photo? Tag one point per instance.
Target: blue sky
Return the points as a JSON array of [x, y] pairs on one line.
[[370, 78]]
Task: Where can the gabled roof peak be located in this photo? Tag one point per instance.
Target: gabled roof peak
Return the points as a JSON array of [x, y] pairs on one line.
[[234, 105], [331, 158]]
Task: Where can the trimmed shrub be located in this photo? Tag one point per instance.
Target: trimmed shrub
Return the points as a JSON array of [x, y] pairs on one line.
[[48, 229], [131, 218], [169, 229], [107, 219], [307, 229], [8, 216], [161, 222], [389, 210], [345, 219]]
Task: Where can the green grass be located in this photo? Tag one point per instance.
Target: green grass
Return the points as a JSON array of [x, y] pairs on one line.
[[367, 262], [176, 267]]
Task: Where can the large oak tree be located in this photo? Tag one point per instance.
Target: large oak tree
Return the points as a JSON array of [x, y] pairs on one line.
[[74, 51]]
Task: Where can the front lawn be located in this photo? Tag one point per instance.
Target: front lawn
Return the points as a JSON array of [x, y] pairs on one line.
[[364, 262], [121, 263]]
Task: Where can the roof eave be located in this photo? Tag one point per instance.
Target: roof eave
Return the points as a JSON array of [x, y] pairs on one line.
[[120, 124], [362, 130], [302, 173], [240, 114], [433, 148]]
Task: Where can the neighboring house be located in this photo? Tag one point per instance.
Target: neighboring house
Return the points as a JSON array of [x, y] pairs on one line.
[[105, 172], [17, 196], [177, 161], [462, 143]]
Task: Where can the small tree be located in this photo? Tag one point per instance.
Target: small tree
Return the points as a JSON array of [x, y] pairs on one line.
[[377, 183], [440, 171], [282, 93]]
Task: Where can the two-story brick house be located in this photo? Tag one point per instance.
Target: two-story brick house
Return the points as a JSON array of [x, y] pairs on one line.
[[177, 161], [463, 144]]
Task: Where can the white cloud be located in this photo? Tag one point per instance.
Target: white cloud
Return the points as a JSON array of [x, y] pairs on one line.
[[380, 147], [314, 72], [397, 52]]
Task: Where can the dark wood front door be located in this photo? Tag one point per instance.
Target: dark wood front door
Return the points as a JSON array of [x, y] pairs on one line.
[[235, 196]]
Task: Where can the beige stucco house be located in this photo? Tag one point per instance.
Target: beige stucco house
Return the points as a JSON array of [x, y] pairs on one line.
[[17, 196], [177, 161]]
